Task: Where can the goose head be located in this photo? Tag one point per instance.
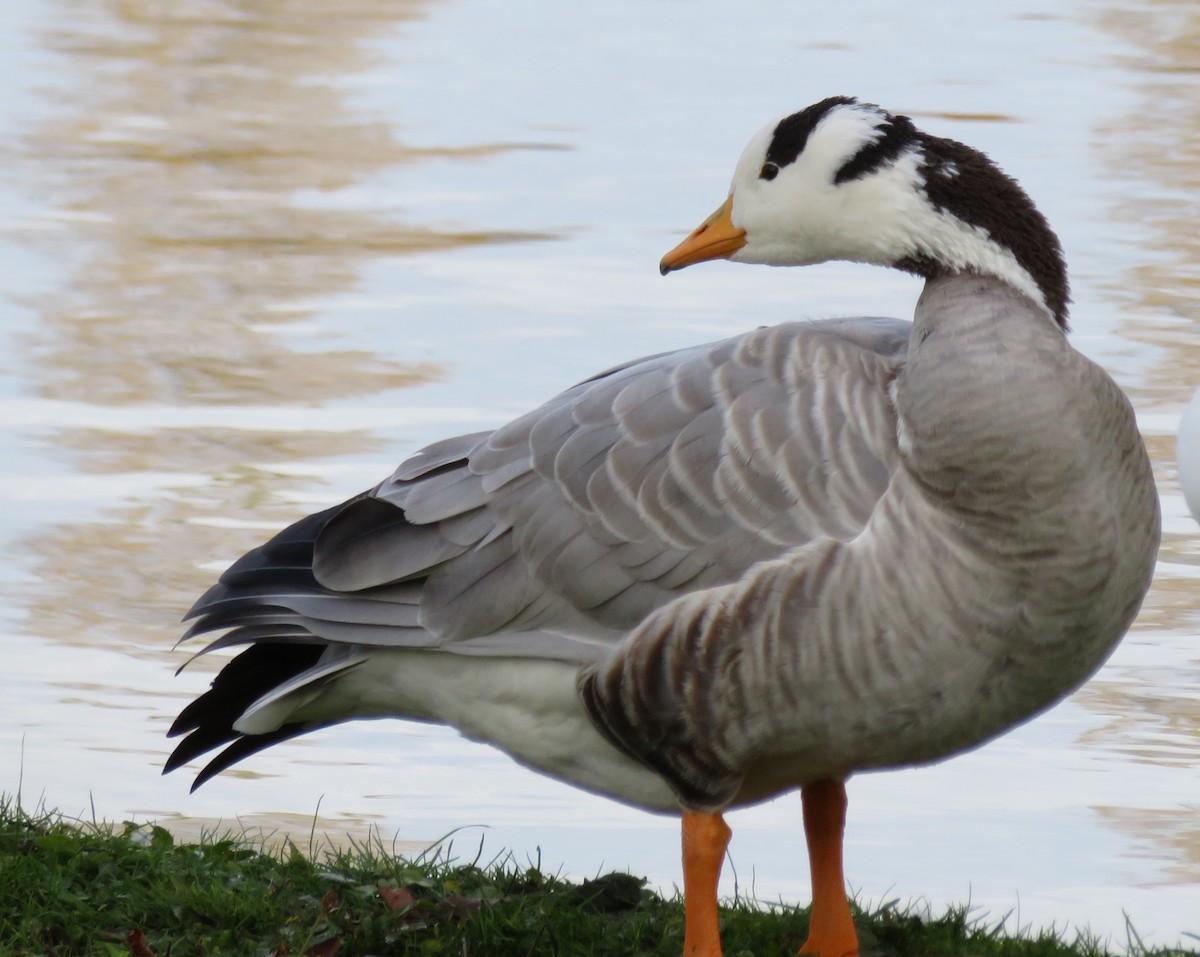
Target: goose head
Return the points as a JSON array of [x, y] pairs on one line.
[[847, 180]]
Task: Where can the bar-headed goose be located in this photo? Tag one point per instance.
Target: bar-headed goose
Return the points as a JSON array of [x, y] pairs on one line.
[[707, 577]]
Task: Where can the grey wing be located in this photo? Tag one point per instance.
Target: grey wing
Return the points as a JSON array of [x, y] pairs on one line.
[[555, 534]]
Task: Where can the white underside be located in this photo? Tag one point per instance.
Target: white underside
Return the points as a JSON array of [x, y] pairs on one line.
[[526, 707]]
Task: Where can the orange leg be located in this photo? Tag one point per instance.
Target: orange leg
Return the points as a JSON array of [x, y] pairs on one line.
[[831, 930], [705, 837]]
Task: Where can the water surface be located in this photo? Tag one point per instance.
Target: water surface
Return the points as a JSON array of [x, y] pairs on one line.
[[256, 254]]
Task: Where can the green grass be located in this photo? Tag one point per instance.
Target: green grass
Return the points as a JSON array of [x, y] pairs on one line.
[[72, 889]]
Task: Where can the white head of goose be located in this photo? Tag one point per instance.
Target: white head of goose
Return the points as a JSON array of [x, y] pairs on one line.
[[707, 577]]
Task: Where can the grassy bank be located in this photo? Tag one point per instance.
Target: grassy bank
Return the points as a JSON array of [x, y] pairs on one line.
[[73, 889]]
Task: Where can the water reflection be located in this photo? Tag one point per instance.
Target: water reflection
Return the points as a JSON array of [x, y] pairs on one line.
[[199, 186], [1168, 834], [215, 190], [1155, 150], [1153, 709]]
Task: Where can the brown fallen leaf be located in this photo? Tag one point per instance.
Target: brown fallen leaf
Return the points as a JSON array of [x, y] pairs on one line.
[[136, 942], [327, 948], [455, 906], [397, 898], [464, 903]]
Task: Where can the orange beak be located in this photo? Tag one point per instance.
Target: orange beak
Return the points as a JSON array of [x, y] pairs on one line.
[[715, 238]]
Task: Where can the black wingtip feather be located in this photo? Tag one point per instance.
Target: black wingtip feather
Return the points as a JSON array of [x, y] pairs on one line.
[[239, 684], [243, 681], [198, 742], [245, 746], [240, 595], [287, 555]]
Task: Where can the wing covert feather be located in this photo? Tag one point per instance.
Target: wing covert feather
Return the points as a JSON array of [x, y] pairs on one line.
[[711, 459], [663, 476]]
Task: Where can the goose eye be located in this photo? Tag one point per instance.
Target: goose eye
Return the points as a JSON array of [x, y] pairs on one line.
[[768, 172]]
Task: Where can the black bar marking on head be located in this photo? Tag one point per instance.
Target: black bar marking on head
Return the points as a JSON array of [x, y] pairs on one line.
[[792, 133], [896, 135]]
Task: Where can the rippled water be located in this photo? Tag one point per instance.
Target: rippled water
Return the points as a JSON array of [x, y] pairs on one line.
[[255, 254]]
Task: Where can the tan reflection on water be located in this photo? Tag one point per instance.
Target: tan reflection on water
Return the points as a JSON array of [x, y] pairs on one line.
[[280, 832], [1158, 144], [1155, 148], [1169, 833], [191, 181]]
